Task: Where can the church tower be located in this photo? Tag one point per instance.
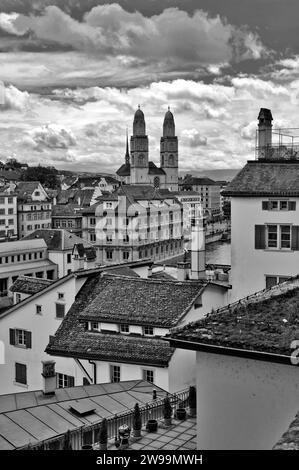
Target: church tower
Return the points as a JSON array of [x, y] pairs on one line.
[[139, 150], [169, 152]]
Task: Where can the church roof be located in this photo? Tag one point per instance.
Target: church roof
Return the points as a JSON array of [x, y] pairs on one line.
[[139, 114], [154, 170], [124, 170]]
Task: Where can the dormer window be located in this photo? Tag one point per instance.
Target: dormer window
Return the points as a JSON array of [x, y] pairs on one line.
[[124, 328], [148, 330], [94, 325]]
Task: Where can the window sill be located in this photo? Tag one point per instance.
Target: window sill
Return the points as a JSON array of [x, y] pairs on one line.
[[26, 386]]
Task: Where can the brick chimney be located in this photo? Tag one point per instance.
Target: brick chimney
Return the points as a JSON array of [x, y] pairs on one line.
[[49, 377], [264, 141]]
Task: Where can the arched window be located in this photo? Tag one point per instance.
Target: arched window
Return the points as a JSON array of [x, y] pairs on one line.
[[157, 182], [141, 160]]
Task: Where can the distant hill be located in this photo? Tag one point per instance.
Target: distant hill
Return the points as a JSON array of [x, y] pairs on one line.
[[216, 175]]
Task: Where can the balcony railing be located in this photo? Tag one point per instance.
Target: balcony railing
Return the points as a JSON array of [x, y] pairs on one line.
[[151, 410]]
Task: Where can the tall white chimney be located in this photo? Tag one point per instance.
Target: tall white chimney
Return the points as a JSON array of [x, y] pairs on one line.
[[49, 377], [198, 246]]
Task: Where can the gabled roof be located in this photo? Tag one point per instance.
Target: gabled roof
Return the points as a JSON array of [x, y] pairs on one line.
[[57, 239], [260, 178], [140, 301], [108, 296], [124, 170], [264, 323], [80, 197], [29, 285]]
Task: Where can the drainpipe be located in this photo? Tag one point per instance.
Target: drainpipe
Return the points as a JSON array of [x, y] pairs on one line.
[[94, 371]]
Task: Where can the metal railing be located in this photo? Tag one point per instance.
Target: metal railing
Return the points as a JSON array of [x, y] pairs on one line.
[[151, 410]]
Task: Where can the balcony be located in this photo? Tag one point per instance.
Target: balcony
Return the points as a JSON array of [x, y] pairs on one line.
[[280, 144]]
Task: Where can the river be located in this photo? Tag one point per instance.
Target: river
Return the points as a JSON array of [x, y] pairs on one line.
[[218, 253]]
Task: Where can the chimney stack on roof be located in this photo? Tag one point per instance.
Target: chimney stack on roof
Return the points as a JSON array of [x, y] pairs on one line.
[[49, 377], [264, 140]]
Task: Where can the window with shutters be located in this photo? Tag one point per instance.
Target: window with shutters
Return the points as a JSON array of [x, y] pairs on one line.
[[64, 381], [21, 373], [277, 237], [60, 310], [20, 338]]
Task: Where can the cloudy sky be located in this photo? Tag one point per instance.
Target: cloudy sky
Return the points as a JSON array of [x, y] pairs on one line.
[[74, 72]]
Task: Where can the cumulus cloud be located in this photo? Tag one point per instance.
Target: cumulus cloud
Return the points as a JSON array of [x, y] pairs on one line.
[[171, 36], [50, 136], [13, 99], [193, 138]]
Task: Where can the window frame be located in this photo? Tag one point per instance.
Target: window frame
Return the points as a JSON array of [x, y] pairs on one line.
[[115, 372]]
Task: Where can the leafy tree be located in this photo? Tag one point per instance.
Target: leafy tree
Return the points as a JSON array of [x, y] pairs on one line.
[[47, 176]]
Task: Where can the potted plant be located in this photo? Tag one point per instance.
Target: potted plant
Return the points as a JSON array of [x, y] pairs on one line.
[[103, 436], [192, 401], [181, 412], [152, 425], [137, 423], [167, 411]]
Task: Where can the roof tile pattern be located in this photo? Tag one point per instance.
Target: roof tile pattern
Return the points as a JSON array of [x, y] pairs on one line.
[[29, 285], [265, 179], [266, 322]]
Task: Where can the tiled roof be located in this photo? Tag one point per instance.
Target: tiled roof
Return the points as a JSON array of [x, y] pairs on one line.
[[259, 178], [154, 170], [196, 181], [123, 300], [31, 417], [122, 271], [27, 187], [58, 239], [163, 276], [29, 285], [140, 301], [124, 170], [72, 339], [266, 322], [66, 210], [80, 197], [114, 347], [290, 439]]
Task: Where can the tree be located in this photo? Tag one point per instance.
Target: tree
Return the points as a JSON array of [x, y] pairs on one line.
[[137, 423], [47, 176], [167, 408]]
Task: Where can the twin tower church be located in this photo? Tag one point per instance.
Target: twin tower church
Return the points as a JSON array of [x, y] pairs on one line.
[[137, 168]]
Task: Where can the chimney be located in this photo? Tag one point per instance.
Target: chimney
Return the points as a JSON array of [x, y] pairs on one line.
[[264, 141], [198, 248], [49, 377], [183, 269]]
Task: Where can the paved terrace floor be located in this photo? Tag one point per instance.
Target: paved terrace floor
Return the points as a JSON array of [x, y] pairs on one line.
[[181, 435]]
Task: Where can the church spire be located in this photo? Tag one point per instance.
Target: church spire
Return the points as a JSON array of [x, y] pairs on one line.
[[127, 157]]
